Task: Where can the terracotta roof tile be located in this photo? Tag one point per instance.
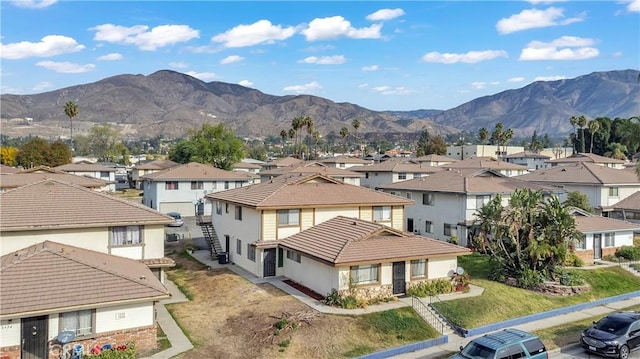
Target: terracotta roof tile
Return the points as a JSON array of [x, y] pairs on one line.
[[586, 157], [196, 171], [55, 204], [84, 167], [582, 173], [20, 179], [592, 223], [347, 159], [343, 241], [631, 202], [485, 162], [398, 166], [156, 165], [71, 277], [314, 167]]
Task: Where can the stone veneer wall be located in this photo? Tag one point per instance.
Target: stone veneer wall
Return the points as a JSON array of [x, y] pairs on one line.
[[369, 293]]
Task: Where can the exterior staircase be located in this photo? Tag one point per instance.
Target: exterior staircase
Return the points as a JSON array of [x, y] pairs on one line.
[[215, 248], [431, 316]]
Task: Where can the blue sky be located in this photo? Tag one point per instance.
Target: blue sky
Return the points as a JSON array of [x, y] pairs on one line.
[[382, 55]]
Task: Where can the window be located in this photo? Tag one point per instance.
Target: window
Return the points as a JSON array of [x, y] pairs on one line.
[[341, 165], [214, 185], [428, 226], [171, 185], [238, 214], [428, 199], [218, 208], [482, 200], [294, 256], [238, 247], [613, 191], [288, 217], [226, 184], [382, 213], [419, 268], [581, 243], [251, 252], [238, 184], [402, 176], [366, 175], [80, 322], [450, 229], [280, 257], [104, 174], [226, 208], [125, 235], [197, 185], [365, 274], [609, 239], [408, 195]]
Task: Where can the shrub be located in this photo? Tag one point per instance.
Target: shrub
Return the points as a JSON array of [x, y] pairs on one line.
[[570, 278], [530, 278], [349, 302], [628, 252], [573, 260], [334, 299], [435, 287]]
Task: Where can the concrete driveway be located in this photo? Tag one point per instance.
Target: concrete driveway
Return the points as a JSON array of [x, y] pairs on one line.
[[188, 230]]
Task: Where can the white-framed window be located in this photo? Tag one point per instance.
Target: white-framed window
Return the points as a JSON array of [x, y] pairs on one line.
[[481, 200], [218, 208], [428, 199], [125, 235], [104, 174], [419, 268], [197, 185], [402, 176], [408, 195], [288, 217], [226, 184], [251, 252], [382, 213], [239, 184], [294, 256], [238, 213], [428, 226], [610, 239], [81, 322], [613, 191], [171, 185], [238, 247], [582, 243], [365, 274], [450, 229]]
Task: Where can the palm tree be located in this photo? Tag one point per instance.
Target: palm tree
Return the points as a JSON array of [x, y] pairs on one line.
[[483, 134], [71, 110], [284, 134], [582, 123], [356, 124], [296, 124], [574, 122], [594, 126], [343, 133]]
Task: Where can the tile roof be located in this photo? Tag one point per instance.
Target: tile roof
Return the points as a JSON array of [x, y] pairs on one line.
[[581, 173], [84, 167], [632, 202], [485, 162], [344, 241], [586, 157], [527, 154], [398, 166], [346, 159], [592, 223], [248, 165], [434, 158], [156, 165], [312, 167], [469, 180], [310, 190], [52, 204], [48, 277], [195, 171], [20, 179], [283, 162], [7, 170]]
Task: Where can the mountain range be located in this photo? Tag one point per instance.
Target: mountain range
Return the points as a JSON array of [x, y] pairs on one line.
[[170, 103]]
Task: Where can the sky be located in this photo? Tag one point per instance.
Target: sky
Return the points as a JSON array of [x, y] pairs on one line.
[[382, 55]]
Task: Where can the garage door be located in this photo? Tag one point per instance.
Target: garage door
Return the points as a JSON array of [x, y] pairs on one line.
[[185, 208]]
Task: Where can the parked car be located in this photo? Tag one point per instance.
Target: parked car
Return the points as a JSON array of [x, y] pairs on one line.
[[615, 335], [178, 219], [508, 343]]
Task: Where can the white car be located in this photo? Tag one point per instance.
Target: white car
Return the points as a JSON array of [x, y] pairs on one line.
[[178, 219]]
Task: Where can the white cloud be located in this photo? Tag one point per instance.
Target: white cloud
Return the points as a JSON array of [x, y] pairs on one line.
[[389, 90], [633, 5], [66, 67], [204, 76], [516, 79], [231, 59], [303, 88], [260, 32], [245, 83], [50, 45], [330, 28], [363, 85], [534, 18], [617, 54], [142, 37], [370, 68], [34, 4], [319, 48], [179, 65], [470, 57], [42, 86], [479, 85], [111, 57], [549, 78], [385, 14], [560, 49], [536, 2], [324, 60]]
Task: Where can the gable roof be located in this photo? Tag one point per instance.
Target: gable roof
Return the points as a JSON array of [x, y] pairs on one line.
[[586, 157], [469, 180], [486, 162], [401, 165], [632, 202], [48, 277], [434, 158], [248, 165], [7, 170], [581, 173], [346, 159], [84, 167], [52, 204], [310, 190], [344, 241], [21, 178], [527, 154], [589, 223], [195, 171], [312, 167], [283, 162], [155, 165]]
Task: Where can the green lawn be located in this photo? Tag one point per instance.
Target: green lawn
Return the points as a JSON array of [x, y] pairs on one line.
[[501, 302]]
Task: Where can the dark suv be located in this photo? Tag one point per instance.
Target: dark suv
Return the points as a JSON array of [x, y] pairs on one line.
[[506, 344], [615, 335]]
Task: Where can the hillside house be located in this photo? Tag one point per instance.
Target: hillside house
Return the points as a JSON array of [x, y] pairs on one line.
[[588, 158], [532, 160], [345, 162], [393, 170], [343, 175], [490, 163], [37, 174], [144, 168], [94, 170]]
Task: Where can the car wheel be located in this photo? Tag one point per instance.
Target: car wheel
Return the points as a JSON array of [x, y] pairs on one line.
[[624, 352]]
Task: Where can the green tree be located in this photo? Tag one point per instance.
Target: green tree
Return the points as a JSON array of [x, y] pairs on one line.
[[343, 134], [103, 140], [582, 123], [356, 125], [423, 143], [35, 152], [579, 200], [483, 135], [574, 122], [71, 110], [594, 126], [535, 145], [629, 132], [616, 150], [436, 145], [59, 154], [216, 145]]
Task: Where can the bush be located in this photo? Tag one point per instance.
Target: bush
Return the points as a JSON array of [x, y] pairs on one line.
[[566, 277], [628, 252], [334, 299], [435, 287], [530, 279], [573, 260]]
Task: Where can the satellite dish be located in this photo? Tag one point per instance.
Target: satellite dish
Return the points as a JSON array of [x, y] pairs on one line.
[[459, 271], [66, 336]]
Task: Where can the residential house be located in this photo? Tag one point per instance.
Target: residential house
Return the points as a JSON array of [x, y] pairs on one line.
[[148, 167], [467, 151], [491, 163], [345, 162], [72, 215], [604, 186], [532, 160], [249, 167], [392, 171], [377, 157], [182, 188], [446, 202], [49, 288], [365, 259], [94, 170], [281, 162], [602, 236], [343, 175], [37, 174], [627, 209], [588, 158], [434, 160], [251, 220]]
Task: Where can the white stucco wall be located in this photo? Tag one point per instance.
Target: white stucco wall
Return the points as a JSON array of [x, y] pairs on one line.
[[440, 267], [157, 193], [447, 208], [376, 179], [325, 214], [312, 274], [247, 230], [622, 238], [9, 332], [124, 317]]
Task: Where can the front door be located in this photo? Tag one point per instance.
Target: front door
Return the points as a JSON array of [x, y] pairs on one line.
[[34, 337], [410, 225], [398, 278], [269, 262], [597, 246]]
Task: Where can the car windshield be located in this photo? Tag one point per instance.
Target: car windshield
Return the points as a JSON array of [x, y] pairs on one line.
[[613, 325], [175, 215], [477, 351]]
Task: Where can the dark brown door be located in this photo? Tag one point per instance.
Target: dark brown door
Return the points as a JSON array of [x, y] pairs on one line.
[[269, 262], [34, 337], [410, 225], [398, 278]]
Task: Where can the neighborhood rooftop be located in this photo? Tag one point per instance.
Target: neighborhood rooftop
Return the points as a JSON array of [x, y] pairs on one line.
[[195, 171], [583, 172]]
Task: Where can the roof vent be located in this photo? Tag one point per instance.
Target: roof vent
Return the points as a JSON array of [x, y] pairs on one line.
[[354, 223]]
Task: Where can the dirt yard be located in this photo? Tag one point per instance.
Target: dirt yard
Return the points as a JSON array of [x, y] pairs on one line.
[[230, 317]]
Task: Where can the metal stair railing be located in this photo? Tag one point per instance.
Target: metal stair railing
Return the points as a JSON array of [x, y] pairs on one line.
[[629, 265], [210, 236], [424, 312], [441, 317]]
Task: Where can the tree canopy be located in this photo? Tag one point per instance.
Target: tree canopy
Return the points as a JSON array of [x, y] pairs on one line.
[[213, 144], [39, 152]]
